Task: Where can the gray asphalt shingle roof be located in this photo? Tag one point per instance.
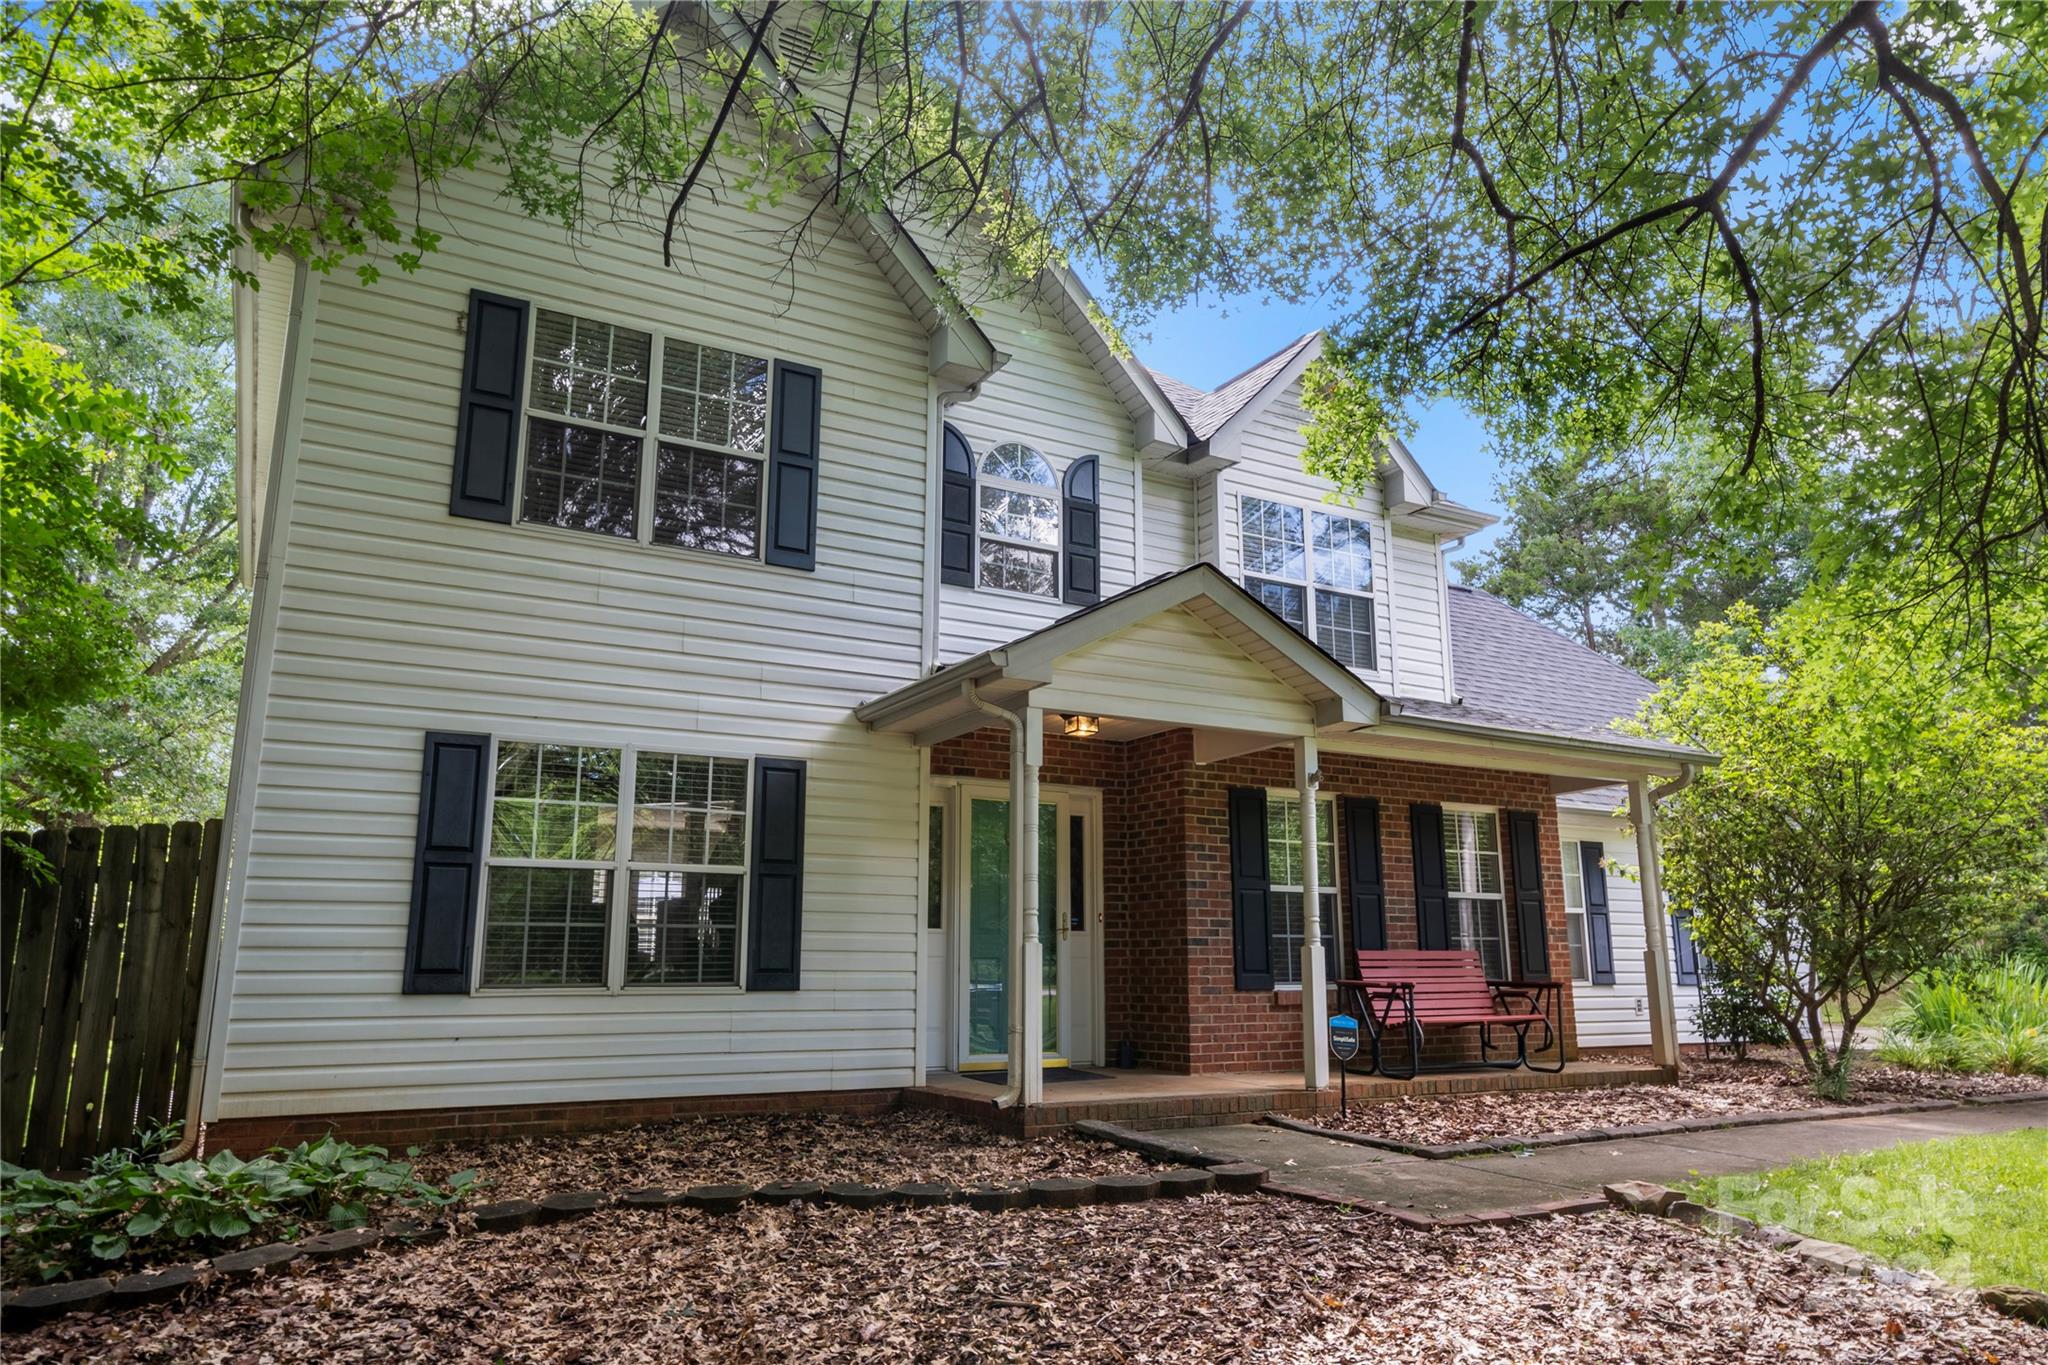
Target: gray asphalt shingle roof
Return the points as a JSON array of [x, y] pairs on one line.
[[1515, 666], [1205, 411]]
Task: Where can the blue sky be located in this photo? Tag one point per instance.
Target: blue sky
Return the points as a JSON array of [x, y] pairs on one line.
[[1206, 343]]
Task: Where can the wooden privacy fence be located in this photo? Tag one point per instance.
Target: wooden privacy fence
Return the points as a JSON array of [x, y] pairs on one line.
[[104, 949]]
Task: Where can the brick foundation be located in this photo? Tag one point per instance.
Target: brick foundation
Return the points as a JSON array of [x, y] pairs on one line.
[[1169, 977], [399, 1128]]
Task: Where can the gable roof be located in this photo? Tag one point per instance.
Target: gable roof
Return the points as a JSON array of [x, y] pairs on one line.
[[937, 707], [1206, 412]]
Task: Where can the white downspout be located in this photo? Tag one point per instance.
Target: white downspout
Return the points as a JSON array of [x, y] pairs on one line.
[[1642, 802]]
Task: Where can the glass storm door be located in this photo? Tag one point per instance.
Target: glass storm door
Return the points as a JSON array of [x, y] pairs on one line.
[[986, 1040]]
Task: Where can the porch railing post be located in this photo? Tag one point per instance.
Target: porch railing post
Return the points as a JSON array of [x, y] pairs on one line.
[[1315, 1024], [1657, 960]]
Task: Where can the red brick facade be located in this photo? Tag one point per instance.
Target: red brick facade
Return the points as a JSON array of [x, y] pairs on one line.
[[1169, 974]]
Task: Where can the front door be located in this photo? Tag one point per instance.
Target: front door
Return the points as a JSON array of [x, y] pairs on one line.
[[1066, 1010]]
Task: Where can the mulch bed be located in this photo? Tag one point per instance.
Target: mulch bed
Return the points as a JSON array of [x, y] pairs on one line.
[[753, 1149], [1712, 1087], [1221, 1278]]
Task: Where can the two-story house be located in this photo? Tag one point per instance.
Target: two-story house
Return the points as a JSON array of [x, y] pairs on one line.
[[656, 678]]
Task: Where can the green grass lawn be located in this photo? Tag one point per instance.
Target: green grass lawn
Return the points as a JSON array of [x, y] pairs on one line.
[[1974, 1210]]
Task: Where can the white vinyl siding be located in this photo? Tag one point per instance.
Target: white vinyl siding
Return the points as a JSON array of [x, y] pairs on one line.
[[1050, 398], [1619, 1015], [1170, 543], [1418, 620], [1269, 466], [395, 618]]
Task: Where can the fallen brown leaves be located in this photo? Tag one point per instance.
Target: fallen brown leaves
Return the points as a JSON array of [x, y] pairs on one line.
[[1707, 1088], [1218, 1279], [753, 1149]]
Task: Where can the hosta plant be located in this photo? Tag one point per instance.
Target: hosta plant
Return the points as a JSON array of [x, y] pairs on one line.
[[127, 1205]]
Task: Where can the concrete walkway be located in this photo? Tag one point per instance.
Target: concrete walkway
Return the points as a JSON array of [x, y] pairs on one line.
[[1365, 1176]]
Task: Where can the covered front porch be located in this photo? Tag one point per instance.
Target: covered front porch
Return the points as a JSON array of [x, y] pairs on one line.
[[1170, 755]]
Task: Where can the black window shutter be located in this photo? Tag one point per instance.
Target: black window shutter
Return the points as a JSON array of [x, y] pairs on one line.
[[775, 917], [956, 509], [1250, 890], [1599, 935], [487, 428], [1525, 844], [1368, 877], [1685, 954], [448, 863], [1432, 897], [793, 419], [1081, 533]]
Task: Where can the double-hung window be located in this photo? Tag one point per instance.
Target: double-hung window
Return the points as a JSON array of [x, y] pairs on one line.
[[1312, 569], [1575, 910], [1284, 870], [693, 480], [569, 902], [1018, 522], [1472, 876]]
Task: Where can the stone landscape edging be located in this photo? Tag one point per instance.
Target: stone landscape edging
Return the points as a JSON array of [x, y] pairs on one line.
[[26, 1308], [1702, 1123]]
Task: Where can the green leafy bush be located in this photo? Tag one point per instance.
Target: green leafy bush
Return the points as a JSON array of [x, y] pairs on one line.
[[126, 1204], [1981, 1017]]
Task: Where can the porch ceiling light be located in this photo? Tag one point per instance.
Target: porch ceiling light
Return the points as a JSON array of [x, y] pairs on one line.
[[1081, 727]]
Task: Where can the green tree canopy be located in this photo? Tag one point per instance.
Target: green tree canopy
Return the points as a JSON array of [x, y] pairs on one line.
[[1871, 811]]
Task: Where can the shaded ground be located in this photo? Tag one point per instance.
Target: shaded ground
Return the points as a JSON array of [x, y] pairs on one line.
[[753, 1149], [1224, 1278], [1712, 1087]]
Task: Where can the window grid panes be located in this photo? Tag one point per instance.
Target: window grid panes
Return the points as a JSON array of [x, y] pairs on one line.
[[1575, 910], [688, 862], [714, 397], [557, 861], [1018, 518], [554, 837], [1472, 875], [1314, 571], [1286, 895], [589, 441]]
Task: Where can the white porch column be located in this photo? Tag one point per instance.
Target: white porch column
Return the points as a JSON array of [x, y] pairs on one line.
[[1315, 1023], [1657, 958], [1027, 962]]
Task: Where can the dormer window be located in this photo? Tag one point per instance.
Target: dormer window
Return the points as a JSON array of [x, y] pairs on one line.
[[1018, 504], [1312, 569]]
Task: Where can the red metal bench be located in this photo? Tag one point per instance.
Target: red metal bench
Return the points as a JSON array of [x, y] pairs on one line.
[[1411, 990]]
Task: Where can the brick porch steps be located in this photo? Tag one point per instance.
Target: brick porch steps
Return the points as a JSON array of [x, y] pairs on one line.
[[1146, 1100]]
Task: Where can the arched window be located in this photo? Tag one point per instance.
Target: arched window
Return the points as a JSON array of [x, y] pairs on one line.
[[1018, 501]]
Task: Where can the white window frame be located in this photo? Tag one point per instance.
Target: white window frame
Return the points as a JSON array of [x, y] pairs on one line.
[[622, 865], [1496, 899], [1052, 492], [1369, 595], [649, 435], [1326, 831], [1575, 912]]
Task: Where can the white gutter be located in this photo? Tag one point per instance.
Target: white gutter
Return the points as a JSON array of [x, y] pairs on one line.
[[1641, 752], [1013, 1088]]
